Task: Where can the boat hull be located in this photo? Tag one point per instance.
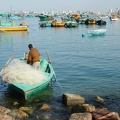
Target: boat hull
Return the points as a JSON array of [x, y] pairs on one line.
[[14, 28], [28, 93]]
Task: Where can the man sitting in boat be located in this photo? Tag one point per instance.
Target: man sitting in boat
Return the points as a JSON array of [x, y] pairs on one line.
[[33, 57]]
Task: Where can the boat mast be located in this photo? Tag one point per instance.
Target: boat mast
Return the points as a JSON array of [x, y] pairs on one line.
[[10, 7]]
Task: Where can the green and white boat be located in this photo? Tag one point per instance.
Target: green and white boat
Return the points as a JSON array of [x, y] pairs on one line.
[[46, 17], [28, 90]]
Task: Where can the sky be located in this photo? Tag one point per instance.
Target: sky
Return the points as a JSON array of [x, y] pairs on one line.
[[59, 5]]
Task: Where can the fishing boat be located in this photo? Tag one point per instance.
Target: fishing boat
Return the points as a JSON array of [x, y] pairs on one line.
[[71, 24], [76, 16], [114, 17], [97, 32], [11, 26], [58, 23], [101, 22], [27, 90], [91, 21], [45, 17], [45, 24]]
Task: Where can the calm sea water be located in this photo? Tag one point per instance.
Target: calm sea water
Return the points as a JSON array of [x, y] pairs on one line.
[[88, 66]]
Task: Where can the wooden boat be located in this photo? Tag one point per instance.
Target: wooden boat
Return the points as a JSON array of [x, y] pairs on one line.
[[58, 24], [71, 24], [13, 17], [45, 17], [75, 16], [46, 24], [97, 32], [101, 22], [10, 26], [28, 90], [103, 16], [6, 23], [82, 21], [114, 17], [91, 21]]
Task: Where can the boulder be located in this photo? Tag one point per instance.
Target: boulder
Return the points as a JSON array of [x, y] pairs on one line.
[[99, 112], [45, 107], [83, 108], [109, 116], [5, 117], [4, 110], [18, 114], [72, 99], [81, 116]]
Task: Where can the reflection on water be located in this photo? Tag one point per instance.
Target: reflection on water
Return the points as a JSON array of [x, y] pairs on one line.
[[87, 66], [13, 35]]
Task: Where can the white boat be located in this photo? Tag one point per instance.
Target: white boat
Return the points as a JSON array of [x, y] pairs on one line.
[[97, 32], [114, 17]]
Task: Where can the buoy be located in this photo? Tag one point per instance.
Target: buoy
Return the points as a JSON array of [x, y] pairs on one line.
[[83, 35]]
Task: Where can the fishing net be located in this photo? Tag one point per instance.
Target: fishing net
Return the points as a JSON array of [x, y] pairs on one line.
[[20, 72]]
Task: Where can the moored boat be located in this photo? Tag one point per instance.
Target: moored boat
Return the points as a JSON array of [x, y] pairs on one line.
[[58, 23], [101, 22], [91, 21], [114, 17], [11, 26], [97, 32], [45, 17], [71, 24], [46, 23]]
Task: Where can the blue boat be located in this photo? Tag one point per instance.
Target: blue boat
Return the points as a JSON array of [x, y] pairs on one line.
[[97, 32], [45, 17], [46, 24]]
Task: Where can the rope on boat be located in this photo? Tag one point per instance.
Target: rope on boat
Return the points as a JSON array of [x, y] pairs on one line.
[[49, 60]]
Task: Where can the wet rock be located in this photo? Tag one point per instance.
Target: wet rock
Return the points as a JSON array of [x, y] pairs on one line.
[[83, 108], [72, 99], [28, 110], [81, 116], [109, 116], [4, 110], [99, 99], [47, 116], [45, 107], [116, 115], [15, 103], [18, 114], [99, 112], [5, 117]]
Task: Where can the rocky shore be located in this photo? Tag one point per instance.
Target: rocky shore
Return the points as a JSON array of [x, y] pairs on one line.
[[73, 105]]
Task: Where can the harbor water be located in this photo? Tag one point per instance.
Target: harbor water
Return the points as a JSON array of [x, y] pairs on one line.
[[84, 65]]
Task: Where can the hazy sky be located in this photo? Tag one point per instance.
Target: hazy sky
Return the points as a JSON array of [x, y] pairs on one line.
[[59, 5]]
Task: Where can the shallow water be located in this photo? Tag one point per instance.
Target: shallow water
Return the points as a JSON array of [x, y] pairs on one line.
[[88, 66]]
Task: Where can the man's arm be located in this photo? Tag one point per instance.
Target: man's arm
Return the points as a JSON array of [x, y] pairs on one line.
[[29, 60]]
